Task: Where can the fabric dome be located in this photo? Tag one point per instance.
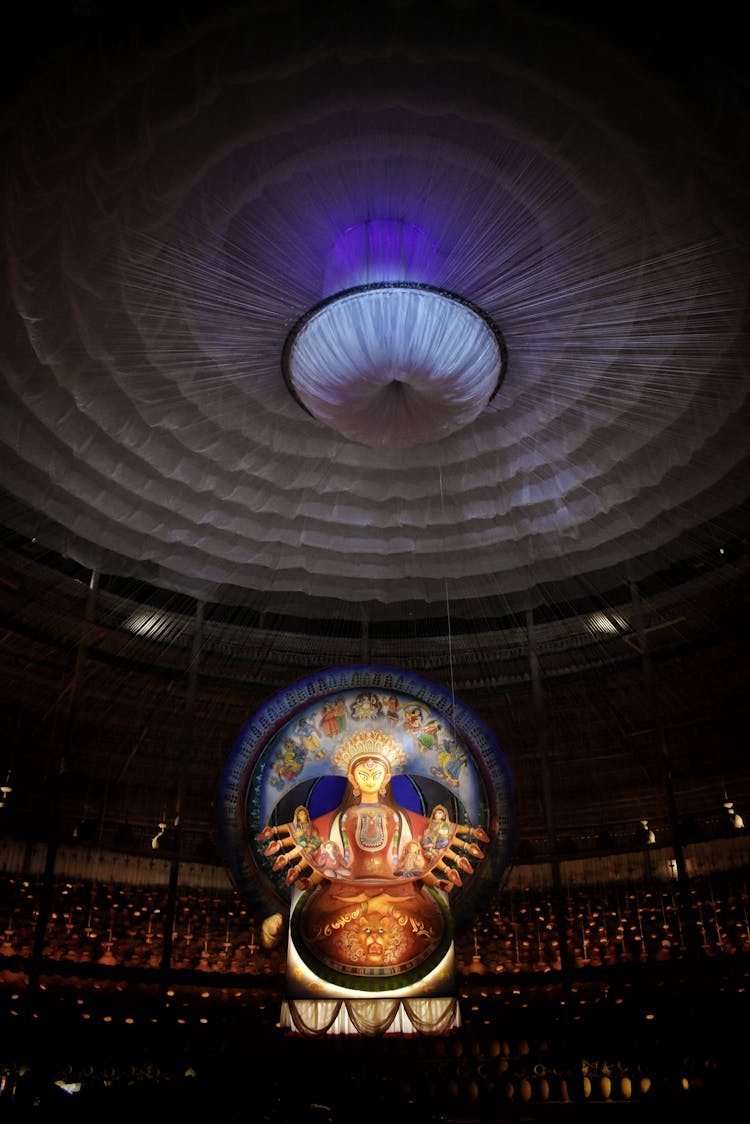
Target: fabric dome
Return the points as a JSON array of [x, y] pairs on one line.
[[173, 212]]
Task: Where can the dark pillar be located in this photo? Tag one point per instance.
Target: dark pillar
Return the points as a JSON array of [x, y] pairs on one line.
[[182, 779], [48, 878], [692, 939], [542, 733]]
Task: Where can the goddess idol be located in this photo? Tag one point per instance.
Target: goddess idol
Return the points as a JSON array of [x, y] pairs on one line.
[[372, 878]]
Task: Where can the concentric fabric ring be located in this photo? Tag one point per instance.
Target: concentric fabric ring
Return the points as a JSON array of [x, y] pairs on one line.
[[168, 215]]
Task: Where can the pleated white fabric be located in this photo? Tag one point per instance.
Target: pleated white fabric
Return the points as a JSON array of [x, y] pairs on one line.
[[169, 214], [395, 366], [315, 1018]]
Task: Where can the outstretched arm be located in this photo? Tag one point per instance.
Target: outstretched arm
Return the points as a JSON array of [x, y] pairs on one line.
[[280, 841], [308, 859], [452, 858]]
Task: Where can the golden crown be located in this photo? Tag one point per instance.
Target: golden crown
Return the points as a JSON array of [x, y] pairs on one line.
[[370, 743]]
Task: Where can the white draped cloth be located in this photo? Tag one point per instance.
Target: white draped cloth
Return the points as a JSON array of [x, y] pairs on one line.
[[318, 1017]]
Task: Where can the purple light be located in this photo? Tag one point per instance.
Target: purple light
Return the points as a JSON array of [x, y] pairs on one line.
[[380, 250]]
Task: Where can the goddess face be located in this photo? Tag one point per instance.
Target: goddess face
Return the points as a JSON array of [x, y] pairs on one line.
[[370, 775]]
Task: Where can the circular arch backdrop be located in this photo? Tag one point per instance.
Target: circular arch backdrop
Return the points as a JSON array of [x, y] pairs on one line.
[[459, 765], [176, 198]]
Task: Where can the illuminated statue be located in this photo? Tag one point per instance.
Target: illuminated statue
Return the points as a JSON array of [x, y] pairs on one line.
[[371, 813], [375, 876], [370, 829]]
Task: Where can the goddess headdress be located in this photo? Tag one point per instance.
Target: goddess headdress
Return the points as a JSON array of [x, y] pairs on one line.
[[370, 743]]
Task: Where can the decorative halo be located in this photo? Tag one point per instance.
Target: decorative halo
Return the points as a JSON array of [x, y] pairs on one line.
[[369, 743]]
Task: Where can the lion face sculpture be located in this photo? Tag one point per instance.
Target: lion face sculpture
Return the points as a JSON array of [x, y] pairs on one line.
[[374, 938]]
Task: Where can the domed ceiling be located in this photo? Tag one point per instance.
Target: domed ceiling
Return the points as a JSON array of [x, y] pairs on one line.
[[177, 197]]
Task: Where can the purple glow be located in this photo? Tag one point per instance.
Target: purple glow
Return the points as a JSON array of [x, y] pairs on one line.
[[380, 250]]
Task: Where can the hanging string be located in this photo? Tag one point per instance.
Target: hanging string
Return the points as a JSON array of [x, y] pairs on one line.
[[448, 629]]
